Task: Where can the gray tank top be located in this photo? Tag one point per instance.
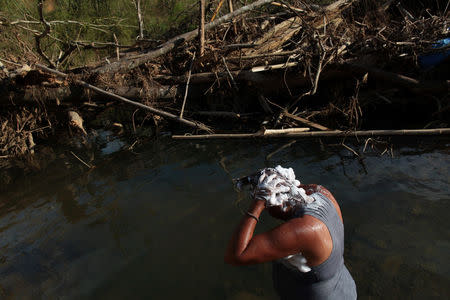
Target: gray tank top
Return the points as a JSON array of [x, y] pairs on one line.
[[329, 280]]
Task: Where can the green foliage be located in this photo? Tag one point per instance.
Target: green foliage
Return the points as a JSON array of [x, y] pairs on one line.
[[96, 21]]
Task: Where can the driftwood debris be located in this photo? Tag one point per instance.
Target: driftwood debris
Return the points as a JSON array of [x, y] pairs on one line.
[[76, 121], [50, 94], [337, 133], [352, 64], [159, 112], [305, 121], [137, 60], [82, 161], [187, 86]]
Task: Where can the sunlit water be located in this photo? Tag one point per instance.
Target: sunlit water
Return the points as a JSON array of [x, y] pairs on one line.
[[154, 223]]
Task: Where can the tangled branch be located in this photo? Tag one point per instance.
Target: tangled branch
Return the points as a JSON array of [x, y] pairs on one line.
[[42, 35]]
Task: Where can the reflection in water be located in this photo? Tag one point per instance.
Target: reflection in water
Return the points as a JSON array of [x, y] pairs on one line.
[[154, 224]]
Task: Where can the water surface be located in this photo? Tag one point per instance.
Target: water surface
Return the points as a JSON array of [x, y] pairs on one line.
[[154, 223]]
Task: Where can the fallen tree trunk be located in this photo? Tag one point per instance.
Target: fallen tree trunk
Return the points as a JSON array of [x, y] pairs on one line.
[[262, 77], [134, 61], [170, 116], [265, 80], [27, 94], [337, 133]]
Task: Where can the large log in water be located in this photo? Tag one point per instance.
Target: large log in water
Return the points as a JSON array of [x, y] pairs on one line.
[[156, 111], [75, 93]]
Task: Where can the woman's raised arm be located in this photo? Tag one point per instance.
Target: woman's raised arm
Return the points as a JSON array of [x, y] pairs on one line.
[[296, 235]]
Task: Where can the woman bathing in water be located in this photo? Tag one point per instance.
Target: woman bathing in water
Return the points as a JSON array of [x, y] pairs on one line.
[[307, 249]]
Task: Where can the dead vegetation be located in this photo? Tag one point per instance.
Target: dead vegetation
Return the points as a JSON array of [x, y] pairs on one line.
[[351, 65], [19, 130]]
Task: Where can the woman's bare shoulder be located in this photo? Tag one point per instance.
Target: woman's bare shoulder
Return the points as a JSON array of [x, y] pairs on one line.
[[324, 191], [317, 188]]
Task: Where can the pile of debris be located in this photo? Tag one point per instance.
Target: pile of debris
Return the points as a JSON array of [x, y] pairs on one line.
[[17, 131], [354, 64]]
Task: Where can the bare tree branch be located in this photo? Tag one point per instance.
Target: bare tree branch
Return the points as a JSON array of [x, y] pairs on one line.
[[140, 21], [132, 62], [42, 35]]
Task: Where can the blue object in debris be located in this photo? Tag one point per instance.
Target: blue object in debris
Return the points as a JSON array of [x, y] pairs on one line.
[[441, 43], [431, 60]]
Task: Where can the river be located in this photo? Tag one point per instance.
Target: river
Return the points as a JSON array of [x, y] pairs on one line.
[[153, 223]]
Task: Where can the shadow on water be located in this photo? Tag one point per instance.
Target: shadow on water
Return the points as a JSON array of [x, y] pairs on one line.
[[154, 223]]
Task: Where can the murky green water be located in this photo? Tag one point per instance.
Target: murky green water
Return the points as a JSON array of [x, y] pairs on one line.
[[153, 224]]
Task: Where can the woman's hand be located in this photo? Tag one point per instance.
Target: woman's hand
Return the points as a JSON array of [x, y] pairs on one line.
[[258, 203], [256, 207], [261, 194]]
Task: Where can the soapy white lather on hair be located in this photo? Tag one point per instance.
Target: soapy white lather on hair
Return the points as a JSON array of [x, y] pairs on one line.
[[278, 187]]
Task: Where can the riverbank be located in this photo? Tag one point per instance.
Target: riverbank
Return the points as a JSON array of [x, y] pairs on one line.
[[350, 65]]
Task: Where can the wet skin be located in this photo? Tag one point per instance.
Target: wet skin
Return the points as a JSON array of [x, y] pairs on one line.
[[305, 234]]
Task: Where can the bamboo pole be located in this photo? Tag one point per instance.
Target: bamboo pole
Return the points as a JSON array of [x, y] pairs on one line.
[[170, 116], [337, 133], [281, 132]]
